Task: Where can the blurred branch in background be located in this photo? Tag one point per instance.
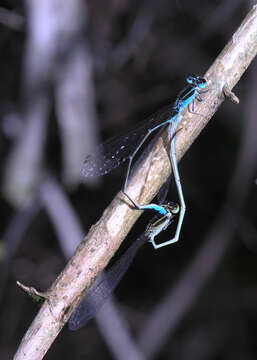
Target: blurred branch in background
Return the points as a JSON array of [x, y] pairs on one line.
[[12, 238], [75, 100], [55, 41], [69, 232]]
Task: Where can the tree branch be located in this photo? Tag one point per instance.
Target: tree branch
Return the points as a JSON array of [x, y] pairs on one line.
[[105, 237]]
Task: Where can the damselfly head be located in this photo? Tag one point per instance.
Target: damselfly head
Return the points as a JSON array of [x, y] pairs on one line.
[[160, 223], [173, 207], [196, 80]]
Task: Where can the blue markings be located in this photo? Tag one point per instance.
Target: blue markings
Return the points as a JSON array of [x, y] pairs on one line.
[[107, 282], [184, 99], [115, 151]]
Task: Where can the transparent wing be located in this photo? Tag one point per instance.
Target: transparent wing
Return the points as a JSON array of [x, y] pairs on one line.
[[103, 287], [115, 151]]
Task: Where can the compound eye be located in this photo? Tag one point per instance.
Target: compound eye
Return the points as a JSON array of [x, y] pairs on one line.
[[192, 79], [174, 208]]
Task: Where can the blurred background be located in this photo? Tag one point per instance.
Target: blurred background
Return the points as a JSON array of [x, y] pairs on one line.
[[75, 73]]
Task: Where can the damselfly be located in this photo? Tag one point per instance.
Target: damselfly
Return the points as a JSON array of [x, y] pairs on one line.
[[106, 282], [116, 150]]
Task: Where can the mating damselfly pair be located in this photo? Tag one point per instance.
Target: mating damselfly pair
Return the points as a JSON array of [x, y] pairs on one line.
[[110, 155]]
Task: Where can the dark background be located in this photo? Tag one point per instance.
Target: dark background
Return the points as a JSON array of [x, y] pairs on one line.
[[141, 53]]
